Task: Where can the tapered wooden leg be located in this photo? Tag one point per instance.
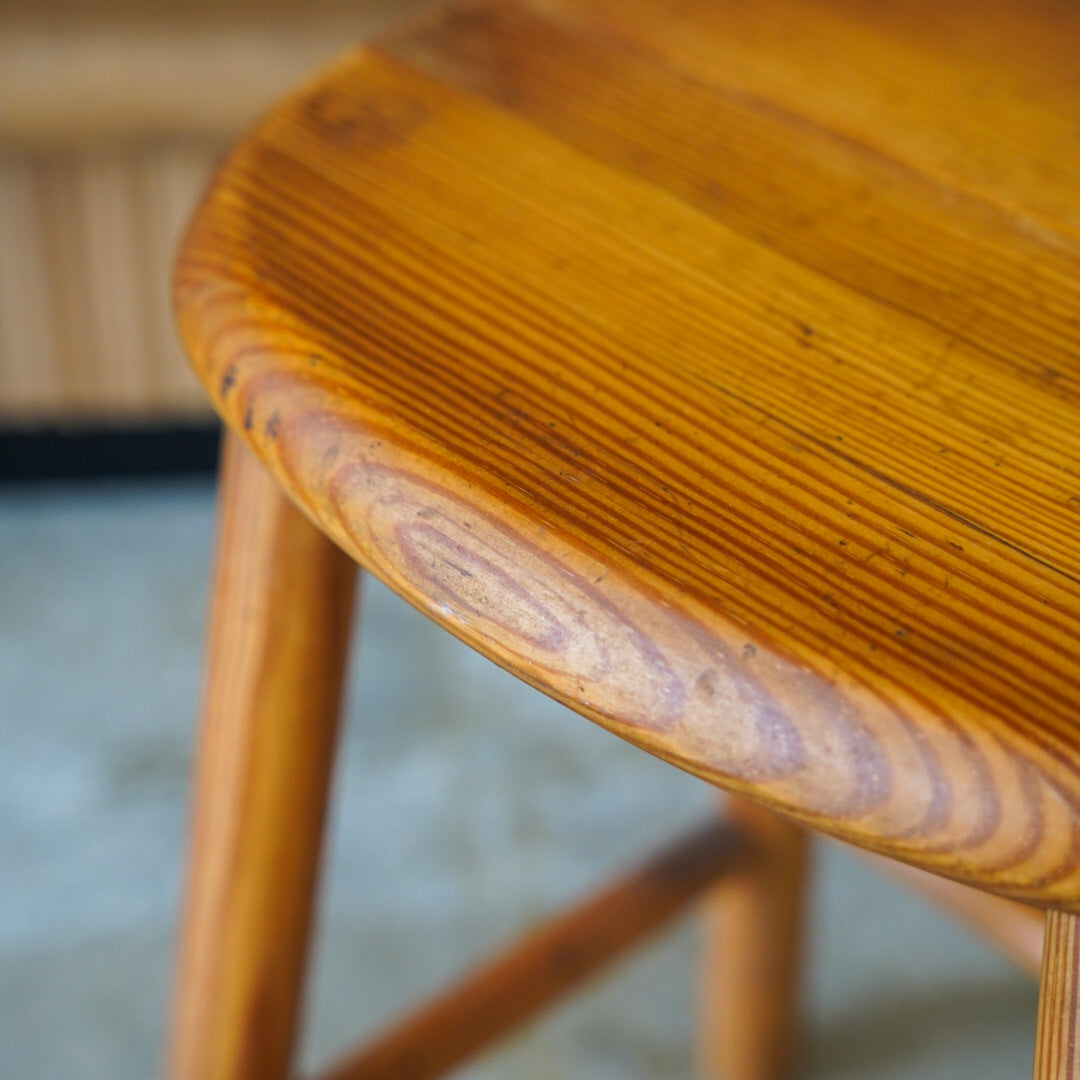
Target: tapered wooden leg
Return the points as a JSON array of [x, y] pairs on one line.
[[1057, 1039], [753, 948], [282, 608]]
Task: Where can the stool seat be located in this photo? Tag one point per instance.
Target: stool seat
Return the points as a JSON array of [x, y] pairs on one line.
[[735, 409]]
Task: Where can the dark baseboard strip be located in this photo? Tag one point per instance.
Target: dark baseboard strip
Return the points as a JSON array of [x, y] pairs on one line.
[[43, 454]]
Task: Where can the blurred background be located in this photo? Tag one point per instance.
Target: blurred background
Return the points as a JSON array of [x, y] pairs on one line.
[[466, 806]]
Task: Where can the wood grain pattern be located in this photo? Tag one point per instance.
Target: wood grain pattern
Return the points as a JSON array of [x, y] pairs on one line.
[[743, 421], [980, 95], [278, 638], [549, 961], [1057, 1037], [749, 1014]]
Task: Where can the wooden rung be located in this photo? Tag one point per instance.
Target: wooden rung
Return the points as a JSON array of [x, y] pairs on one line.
[[1016, 929], [548, 962]]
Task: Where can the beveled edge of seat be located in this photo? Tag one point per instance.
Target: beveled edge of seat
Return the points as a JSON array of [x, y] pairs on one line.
[[676, 678]]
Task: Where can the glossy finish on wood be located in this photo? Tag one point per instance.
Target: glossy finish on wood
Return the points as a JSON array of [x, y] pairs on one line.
[[1057, 1038], [711, 366], [549, 962], [749, 1009], [283, 599]]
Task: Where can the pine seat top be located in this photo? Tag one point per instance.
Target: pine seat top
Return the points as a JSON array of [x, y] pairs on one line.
[[715, 367]]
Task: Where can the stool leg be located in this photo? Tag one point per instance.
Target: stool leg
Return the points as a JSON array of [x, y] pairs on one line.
[[1057, 1038], [281, 613], [753, 947]]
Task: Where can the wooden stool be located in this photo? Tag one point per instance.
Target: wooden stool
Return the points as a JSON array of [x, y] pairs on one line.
[[713, 367]]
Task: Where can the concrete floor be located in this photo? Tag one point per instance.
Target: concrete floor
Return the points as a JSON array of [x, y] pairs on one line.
[[466, 805]]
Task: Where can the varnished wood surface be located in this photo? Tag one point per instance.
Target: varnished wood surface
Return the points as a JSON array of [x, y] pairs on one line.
[[550, 961], [1057, 1037], [279, 634], [711, 366]]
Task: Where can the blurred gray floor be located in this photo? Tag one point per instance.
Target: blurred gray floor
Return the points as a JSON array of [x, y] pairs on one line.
[[466, 805]]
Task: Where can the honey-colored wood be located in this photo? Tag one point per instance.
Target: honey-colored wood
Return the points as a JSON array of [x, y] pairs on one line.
[[1016, 930], [735, 408], [749, 1007], [977, 95], [283, 598], [1057, 1037], [549, 961]]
